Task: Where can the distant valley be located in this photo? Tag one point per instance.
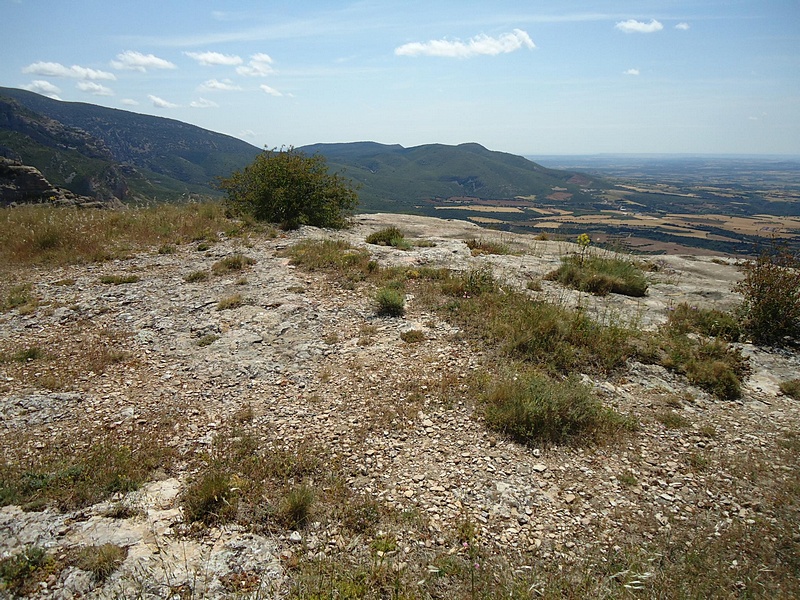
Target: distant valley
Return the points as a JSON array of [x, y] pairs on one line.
[[676, 204]]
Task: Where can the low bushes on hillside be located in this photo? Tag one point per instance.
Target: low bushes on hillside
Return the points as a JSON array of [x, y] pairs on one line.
[[600, 275]]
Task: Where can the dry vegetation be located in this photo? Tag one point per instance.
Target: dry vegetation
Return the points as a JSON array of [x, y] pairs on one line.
[[526, 390]]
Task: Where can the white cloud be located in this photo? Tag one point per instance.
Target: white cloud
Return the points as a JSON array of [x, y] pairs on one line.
[[631, 72], [129, 102], [247, 133], [634, 26], [226, 85], [270, 91], [45, 88], [160, 102], [94, 88], [260, 65], [478, 45], [136, 61], [682, 26], [203, 103], [54, 69], [215, 58]]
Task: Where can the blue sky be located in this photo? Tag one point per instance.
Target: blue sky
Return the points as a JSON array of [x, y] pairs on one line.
[[532, 77]]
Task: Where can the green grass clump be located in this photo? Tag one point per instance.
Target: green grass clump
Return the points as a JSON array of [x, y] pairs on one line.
[[474, 282], [235, 262], [672, 420], [196, 276], [413, 336], [207, 340], [709, 322], [484, 246], [101, 561], [296, 506], [711, 365], [390, 302], [535, 410], [118, 279], [211, 498], [18, 296], [600, 275], [389, 236], [230, 302]]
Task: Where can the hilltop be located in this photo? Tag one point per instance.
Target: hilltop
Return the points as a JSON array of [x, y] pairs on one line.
[[266, 433]]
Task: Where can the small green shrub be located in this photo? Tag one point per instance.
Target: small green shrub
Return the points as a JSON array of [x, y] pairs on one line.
[[711, 365], [196, 276], [533, 409], [20, 572], [791, 388], [600, 276], [18, 296], [389, 236], [335, 256], [28, 354], [167, 249], [119, 279], [771, 290], [390, 302]]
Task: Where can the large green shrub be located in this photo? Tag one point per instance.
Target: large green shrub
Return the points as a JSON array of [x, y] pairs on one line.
[[292, 189], [771, 290]]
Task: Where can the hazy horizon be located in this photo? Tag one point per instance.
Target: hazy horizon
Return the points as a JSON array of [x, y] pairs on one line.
[[607, 77]]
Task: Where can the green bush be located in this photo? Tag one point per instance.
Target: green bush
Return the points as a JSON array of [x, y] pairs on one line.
[[771, 290], [600, 276], [210, 498], [482, 246], [791, 388], [535, 410], [391, 302], [296, 506], [292, 189]]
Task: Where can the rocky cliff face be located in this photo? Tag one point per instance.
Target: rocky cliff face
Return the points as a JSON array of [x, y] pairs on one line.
[[23, 184]]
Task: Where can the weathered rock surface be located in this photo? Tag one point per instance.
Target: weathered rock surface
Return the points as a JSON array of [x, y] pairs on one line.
[[297, 354], [21, 184]]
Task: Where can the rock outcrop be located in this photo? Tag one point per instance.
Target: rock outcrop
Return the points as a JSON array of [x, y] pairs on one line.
[[23, 184]]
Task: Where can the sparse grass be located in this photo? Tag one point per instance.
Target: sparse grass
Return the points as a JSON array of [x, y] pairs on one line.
[[390, 302], [101, 561], [412, 336], [119, 279], [196, 276], [791, 388], [79, 478], [627, 478], [389, 236], [230, 302], [39, 234], [19, 296], [211, 497], [708, 322], [535, 410], [233, 263], [334, 256], [168, 249], [24, 355], [672, 420], [534, 285], [600, 275], [546, 335], [484, 246]]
